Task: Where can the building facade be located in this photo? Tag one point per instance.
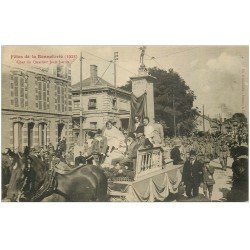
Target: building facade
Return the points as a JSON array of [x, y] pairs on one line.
[[100, 102], [36, 106]]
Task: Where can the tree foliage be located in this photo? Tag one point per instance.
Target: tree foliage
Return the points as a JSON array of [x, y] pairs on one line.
[[170, 88], [239, 117]]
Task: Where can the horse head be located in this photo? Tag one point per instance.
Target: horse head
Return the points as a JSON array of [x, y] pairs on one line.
[[19, 174]]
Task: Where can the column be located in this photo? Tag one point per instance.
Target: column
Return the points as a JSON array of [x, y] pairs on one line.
[[48, 132], [25, 134], [56, 135], [36, 135], [11, 142]]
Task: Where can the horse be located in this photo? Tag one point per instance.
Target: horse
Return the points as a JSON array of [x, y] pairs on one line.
[[7, 164], [32, 180]]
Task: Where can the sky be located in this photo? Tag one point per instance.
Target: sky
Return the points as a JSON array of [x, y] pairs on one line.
[[214, 73]]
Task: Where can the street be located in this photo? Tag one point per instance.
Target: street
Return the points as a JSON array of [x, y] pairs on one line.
[[223, 183]]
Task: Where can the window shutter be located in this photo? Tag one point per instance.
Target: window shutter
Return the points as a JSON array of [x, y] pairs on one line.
[[21, 92], [44, 96], [40, 95], [36, 93], [62, 98], [16, 91], [11, 90], [55, 97], [59, 98], [26, 92], [48, 85]]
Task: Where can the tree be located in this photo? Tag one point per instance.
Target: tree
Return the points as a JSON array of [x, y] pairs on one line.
[[171, 88], [239, 117]]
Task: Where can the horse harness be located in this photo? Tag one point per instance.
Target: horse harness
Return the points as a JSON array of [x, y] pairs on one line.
[[49, 187]]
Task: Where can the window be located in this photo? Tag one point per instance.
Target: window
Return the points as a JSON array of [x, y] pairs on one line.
[[61, 98], [18, 91], [59, 71], [76, 104], [93, 125], [92, 104], [114, 103], [43, 98]]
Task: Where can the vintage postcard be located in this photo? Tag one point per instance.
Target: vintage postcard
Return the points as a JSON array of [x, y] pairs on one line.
[[124, 123]]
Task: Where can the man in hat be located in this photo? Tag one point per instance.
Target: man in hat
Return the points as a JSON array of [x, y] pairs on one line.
[[61, 147], [223, 154], [99, 148], [51, 148], [192, 175], [175, 153], [143, 142], [208, 179]]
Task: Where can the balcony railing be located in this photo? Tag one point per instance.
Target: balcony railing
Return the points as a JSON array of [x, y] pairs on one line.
[[148, 161]]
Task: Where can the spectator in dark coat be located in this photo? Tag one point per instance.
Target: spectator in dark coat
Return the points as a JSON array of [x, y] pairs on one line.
[[61, 147], [80, 160], [192, 175], [175, 154]]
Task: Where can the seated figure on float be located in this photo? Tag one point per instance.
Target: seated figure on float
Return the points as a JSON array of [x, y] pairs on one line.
[[130, 155], [151, 134], [115, 143]]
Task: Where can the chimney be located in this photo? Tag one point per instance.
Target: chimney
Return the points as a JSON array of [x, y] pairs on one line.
[[93, 74]]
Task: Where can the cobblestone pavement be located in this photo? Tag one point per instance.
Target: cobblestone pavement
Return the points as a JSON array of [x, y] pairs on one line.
[[223, 183]]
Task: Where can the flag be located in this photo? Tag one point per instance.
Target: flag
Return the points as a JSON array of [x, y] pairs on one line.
[[137, 107]]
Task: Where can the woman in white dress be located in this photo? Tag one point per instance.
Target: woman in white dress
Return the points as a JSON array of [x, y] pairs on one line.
[[115, 142]]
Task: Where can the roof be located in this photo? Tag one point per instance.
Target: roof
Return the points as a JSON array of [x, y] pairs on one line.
[[101, 83], [87, 82]]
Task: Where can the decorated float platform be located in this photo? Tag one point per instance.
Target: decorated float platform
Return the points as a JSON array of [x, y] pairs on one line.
[[154, 179]]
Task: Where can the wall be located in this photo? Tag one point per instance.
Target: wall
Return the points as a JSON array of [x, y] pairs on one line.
[[104, 110], [30, 112], [5, 87]]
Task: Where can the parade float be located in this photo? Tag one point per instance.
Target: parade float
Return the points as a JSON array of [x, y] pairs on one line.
[[153, 179], [154, 176]]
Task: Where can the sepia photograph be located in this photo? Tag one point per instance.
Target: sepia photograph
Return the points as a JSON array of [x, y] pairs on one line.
[[139, 123]]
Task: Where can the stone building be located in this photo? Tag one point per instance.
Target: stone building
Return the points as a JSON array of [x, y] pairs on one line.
[[101, 102], [36, 106]]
